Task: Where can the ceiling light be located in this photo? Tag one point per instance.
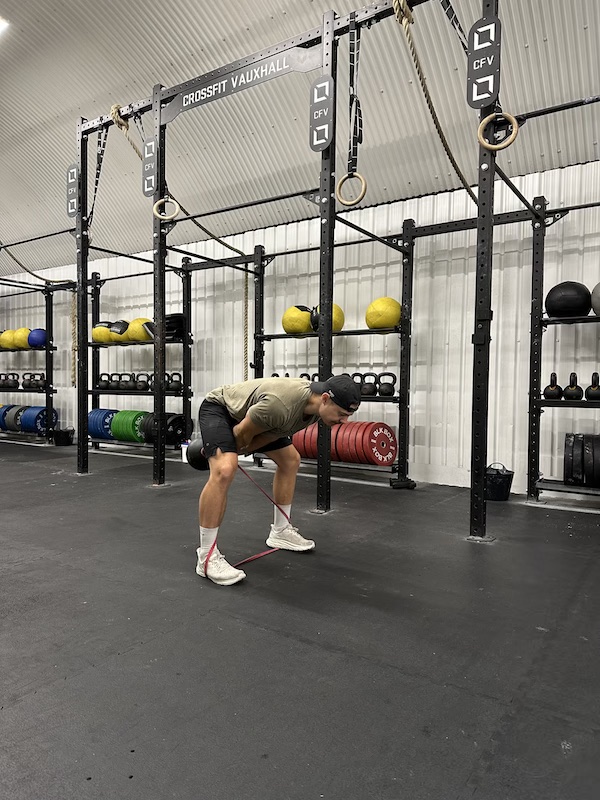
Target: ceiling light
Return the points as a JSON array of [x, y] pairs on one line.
[[3, 24]]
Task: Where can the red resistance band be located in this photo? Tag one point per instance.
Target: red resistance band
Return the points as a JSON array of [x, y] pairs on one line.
[[258, 555]]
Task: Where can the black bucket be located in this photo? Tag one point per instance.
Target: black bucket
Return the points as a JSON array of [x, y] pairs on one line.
[[63, 437], [498, 481]]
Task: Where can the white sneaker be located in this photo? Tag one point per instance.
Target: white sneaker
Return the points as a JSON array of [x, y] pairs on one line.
[[219, 570], [289, 539]]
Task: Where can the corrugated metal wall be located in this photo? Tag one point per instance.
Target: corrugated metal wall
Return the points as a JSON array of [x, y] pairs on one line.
[[441, 376]]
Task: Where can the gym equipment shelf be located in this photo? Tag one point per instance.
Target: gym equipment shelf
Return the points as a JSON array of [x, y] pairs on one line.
[[558, 486], [566, 403], [568, 320], [537, 403], [49, 349], [157, 394]]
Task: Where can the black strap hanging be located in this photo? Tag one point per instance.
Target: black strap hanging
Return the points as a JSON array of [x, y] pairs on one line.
[[355, 112], [100, 149]]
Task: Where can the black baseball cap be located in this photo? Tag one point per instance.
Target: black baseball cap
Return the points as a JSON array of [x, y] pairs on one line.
[[344, 392]]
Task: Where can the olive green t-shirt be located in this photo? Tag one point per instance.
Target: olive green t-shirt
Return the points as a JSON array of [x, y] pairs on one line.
[[275, 404]]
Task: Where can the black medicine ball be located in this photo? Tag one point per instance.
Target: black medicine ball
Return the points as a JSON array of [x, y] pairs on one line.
[[568, 299]]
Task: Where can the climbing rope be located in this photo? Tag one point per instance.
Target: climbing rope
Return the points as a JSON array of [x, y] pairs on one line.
[[123, 126], [405, 19]]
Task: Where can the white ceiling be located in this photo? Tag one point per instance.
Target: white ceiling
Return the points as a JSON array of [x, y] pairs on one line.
[[62, 59]]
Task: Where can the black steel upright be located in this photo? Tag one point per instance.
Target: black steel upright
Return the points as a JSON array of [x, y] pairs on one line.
[[408, 242], [49, 300], [160, 257], [81, 234], [483, 320], [186, 297], [535, 350], [258, 363], [327, 194]]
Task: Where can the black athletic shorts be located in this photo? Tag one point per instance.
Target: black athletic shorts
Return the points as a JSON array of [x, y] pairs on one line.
[[216, 427]]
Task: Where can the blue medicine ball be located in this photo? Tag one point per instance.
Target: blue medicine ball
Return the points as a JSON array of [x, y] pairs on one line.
[[37, 338]]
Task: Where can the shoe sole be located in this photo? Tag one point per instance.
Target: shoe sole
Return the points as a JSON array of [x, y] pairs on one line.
[[281, 544], [229, 582]]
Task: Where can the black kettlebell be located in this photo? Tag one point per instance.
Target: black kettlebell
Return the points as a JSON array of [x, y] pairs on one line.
[[176, 382], [358, 379], [553, 391], [12, 381], [41, 381], [114, 381], [104, 381], [315, 377], [142, 382], [386, 388], [124, 381], [573, 391], [369, 387], [305, 375], [131, 383], [3, 377], [274, 374], [26, 382], [593, 391]]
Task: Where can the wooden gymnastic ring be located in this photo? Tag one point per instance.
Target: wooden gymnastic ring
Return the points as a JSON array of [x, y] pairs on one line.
[[342, 181], [162, 202], [509, 139]]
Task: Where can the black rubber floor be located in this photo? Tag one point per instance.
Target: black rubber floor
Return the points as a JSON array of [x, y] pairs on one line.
[[399, 661]]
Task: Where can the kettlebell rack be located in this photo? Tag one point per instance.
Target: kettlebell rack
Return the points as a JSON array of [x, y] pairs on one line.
[[44, 382], [126, 384]]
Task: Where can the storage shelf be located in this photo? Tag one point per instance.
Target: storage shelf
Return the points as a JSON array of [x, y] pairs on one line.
[[568, 320], [28, 391], [133, 344], [121, 443], [567, 403], [25, 349], [558, 486], [267, 337], [132, 392]]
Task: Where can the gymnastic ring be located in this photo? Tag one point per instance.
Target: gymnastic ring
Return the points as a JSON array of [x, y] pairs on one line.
[[342, 181], [162, 202], [509, 139]]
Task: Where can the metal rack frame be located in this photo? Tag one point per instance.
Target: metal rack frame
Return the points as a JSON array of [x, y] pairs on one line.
[[48, 290]]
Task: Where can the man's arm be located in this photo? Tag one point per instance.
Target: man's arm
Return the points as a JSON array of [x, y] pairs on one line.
[[250, 437]]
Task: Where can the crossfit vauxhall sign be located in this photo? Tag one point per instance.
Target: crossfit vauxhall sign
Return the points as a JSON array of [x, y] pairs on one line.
[[483, 73], [222, 83], [322, 101]]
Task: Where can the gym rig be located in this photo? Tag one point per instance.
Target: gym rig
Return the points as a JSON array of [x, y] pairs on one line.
[[166, 103]]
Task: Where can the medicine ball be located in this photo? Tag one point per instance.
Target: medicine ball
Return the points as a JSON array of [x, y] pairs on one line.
[[37, 337], [7, 339], [385, 312], [101, 332], [596, 299], [136, 332], [21, 338], [118, 331], [337, 318], [568, 299], [296, 319]]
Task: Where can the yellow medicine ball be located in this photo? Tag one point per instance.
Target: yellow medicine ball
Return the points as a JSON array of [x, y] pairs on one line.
[[118, 331], [20, 338], [296, 319], [136, 331], [385, 312], [337, 318], [101, 332], [7, 339]]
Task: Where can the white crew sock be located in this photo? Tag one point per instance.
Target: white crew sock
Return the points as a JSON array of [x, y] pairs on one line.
[[208, 536], [280, 522]]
